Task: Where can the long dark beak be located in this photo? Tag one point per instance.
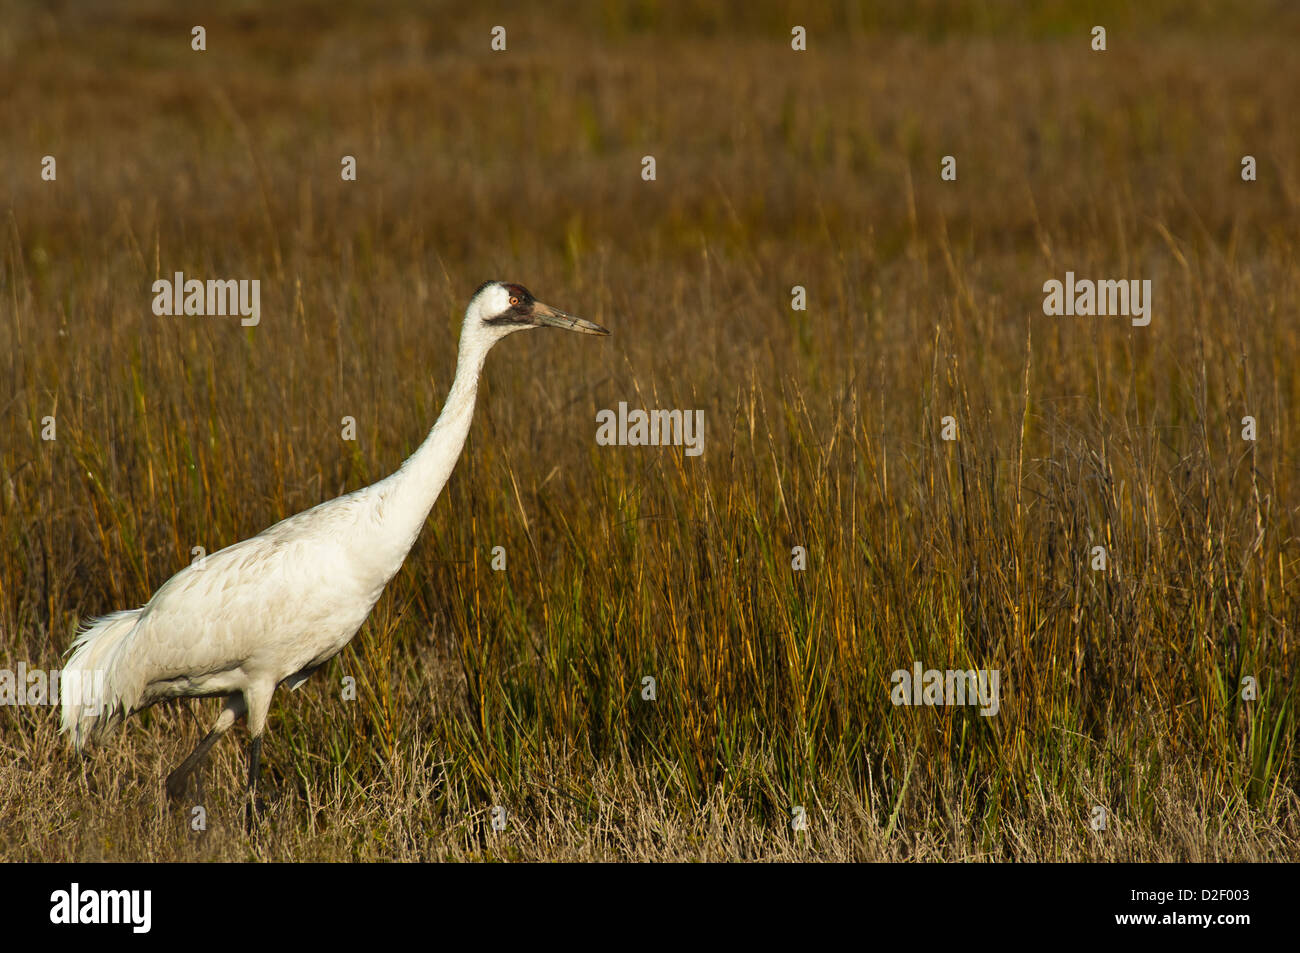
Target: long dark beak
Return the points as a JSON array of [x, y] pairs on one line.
[[545, 314]]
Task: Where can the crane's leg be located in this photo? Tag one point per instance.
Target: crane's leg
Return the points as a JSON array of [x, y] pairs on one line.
[[258, 699], [254, 763], [178, 780], [202, 798]]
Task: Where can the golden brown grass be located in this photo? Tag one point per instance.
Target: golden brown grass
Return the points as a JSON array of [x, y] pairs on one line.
[[822, 428]]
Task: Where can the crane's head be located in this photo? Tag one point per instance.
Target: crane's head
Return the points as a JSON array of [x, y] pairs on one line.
[[499, 308]]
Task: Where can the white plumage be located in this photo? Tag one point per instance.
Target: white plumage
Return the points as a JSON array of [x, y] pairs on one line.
[[272, 608]]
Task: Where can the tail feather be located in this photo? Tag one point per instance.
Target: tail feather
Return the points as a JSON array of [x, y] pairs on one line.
[[95, 688]]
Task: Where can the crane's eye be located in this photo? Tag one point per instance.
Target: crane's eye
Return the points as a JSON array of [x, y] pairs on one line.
[[514, 300]]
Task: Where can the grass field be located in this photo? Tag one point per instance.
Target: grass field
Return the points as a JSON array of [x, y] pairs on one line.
[[1121, 689]]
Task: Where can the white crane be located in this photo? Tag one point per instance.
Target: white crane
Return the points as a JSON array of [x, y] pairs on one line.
[[277, 606]]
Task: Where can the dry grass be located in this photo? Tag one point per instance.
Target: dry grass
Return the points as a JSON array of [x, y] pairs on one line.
[[822, 428]]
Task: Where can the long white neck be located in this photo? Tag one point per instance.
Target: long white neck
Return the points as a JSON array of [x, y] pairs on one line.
[[407, 496]]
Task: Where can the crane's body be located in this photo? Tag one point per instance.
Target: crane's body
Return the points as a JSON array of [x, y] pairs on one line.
[[309, 579], [272, 608]]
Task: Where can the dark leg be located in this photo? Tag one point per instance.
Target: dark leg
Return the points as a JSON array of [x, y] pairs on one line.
[[257, 699], [178, 780], [254, 772], [254, 763]]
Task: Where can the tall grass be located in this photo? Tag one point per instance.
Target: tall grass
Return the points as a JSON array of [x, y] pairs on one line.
[[1120, 689]]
